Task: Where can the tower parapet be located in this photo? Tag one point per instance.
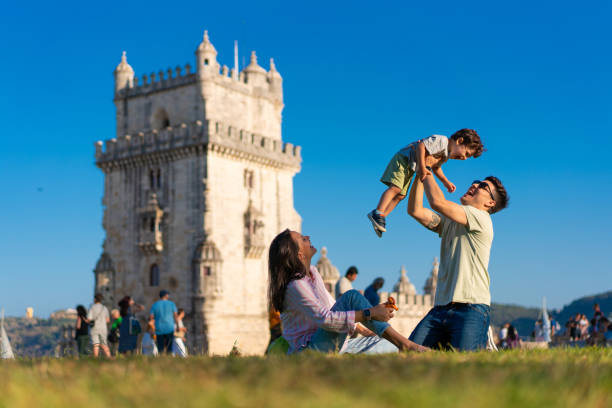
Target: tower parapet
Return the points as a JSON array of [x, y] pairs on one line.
[[172, 142]]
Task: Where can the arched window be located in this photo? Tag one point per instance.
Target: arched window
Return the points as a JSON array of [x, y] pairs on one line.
[[160, 120], [151, 180], [158, 178], [152, 224], [154, 275]]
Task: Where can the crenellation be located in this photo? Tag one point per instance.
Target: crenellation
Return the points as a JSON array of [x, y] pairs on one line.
[[160, 140]]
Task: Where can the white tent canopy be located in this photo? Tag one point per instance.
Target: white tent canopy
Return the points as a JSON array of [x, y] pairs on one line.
[[6, 351]]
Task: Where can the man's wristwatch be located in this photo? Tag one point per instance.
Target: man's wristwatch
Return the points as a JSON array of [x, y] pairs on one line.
[[367, 315]]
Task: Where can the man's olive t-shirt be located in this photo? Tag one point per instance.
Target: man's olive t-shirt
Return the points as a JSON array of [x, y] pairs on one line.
[[464, 259]]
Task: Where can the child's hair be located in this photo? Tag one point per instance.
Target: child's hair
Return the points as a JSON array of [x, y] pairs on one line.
[[180, 310], [470, 140]]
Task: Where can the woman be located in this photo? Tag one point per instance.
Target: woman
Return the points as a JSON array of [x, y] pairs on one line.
[[82, 331], [310, 318], [513, 340], [130, 327]]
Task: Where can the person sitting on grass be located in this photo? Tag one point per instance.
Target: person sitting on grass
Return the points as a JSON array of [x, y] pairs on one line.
[[420, 157], [312, 319]]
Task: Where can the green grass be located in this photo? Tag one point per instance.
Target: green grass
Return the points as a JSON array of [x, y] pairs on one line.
[[555, 378]]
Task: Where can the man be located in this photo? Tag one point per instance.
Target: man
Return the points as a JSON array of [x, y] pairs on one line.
[[99, 317], [371, 292], [163, 315], [460, 317], [345, 283]]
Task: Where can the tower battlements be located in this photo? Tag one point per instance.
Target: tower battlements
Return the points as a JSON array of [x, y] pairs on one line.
[[215, 136], [154, 82], [252, 80]]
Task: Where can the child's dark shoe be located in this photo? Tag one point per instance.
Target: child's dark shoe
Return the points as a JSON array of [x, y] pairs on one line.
[[378, 222]]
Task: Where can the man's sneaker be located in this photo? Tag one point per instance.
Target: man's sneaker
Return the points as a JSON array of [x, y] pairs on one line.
[[378, 222]]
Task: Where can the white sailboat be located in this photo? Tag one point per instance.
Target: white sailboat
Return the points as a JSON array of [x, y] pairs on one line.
[[6, 351]]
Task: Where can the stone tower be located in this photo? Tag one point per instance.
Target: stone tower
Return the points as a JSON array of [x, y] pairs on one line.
[[403, 285], [329, 273], [198, 181], [432, 282]]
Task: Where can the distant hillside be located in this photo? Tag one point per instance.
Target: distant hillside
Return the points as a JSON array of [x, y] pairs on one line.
[[34, 337], [521, 317]]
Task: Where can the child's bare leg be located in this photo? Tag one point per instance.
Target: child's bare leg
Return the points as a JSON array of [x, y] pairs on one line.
[[393, 203], [96, 350], [386, 199]]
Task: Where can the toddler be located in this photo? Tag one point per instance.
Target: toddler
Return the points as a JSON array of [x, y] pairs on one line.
[[421, 157]]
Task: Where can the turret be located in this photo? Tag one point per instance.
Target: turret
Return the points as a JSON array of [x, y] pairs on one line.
[[255, 75], [124, 75], [403, 284], [276, 81], [206, 57]]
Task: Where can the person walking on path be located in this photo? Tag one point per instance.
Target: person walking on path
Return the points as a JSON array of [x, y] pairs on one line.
[[130, 326], [82, 331], [345, 283], [164, 313], [461, 314], [99, 317], [312, 319], [371, 292]]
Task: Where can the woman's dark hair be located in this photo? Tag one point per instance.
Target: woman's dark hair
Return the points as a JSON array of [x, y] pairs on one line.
[[283, 267], [471, 140], [512, 333], [124, 306], [81, 311]]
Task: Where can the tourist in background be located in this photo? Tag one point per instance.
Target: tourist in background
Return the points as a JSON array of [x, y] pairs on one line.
[[371, 292], [149, 348], [81, 334], [503, 335], [345, 283], [130, 326], [513, 340], [164, 314], [113, 334], [178, 343], [583, 326], [99, 317]]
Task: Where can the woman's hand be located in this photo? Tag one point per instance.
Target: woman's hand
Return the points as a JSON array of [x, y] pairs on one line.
[[381, 313]]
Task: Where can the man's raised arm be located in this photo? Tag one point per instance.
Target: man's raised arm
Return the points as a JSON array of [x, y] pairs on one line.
[[438, 203], [424, 216]]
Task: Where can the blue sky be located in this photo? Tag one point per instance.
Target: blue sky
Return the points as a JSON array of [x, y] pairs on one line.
[[361, 80]]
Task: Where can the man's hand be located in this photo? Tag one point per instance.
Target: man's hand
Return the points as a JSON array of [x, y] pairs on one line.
[[450, 187], [422, 172]]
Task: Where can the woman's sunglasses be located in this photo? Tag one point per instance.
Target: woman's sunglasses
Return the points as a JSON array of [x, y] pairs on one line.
[[484, 186]]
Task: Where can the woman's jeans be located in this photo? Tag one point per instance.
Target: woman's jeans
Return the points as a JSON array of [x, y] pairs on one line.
[[462, 326], [330, 342]]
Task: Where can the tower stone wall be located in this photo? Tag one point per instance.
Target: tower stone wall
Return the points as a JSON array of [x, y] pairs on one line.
[[197, 183]]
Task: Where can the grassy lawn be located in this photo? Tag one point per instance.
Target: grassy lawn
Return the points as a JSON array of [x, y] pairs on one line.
[[559, 378]]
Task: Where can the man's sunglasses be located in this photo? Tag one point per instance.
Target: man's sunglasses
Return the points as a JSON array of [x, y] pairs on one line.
[[485, 186]]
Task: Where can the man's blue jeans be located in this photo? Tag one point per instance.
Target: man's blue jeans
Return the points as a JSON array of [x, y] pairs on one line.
[[330, 342], [461, 326]]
